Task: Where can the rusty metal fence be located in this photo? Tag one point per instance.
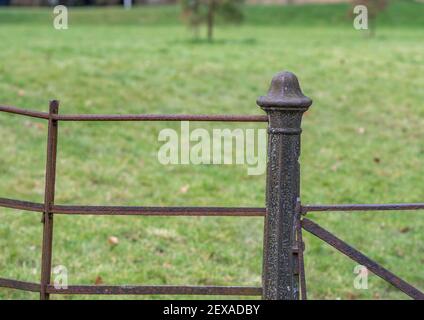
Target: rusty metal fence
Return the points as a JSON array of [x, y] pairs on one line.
[[284, 215]]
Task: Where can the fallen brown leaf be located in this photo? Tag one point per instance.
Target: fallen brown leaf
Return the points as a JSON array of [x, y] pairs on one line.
[[352, 296], [113, 241], [98, 280], [405, 229], [184, 188]]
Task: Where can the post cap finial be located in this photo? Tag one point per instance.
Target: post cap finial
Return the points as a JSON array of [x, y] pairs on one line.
[[284, 92]]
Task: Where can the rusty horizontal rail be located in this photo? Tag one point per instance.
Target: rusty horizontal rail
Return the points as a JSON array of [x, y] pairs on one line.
[[21, 205], [362, 259], [134, 117], [20, 285], [136, 290], [143, 211], [158, 211], [24, 112], [160, 117], [153, 290], [362, 207]]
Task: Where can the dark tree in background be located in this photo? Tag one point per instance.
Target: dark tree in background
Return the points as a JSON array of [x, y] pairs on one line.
[[375, 7], [203, 12]]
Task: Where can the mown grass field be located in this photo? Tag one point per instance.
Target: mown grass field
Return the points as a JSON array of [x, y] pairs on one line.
[[363, 142]]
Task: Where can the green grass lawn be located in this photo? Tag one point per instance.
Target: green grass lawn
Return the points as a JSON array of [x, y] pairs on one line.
[[363, 142]]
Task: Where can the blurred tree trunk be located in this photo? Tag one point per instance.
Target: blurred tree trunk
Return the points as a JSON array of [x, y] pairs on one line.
[[203, 12], [210, 19], [196, 25]]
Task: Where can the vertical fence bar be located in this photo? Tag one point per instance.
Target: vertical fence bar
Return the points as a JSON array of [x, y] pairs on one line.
[[302, 275], [285, 105], [46, 260]]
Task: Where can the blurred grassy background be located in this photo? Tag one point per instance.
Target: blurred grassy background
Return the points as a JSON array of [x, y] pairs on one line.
[[362, 142], [400, 13]]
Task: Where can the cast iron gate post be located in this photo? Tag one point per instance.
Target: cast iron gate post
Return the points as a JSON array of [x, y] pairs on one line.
[[285, 105]]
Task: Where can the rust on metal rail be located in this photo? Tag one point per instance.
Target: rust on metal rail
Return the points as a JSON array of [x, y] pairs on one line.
[[49, 194], [24, 112], [135, 117], [142, 211], [359, 257], [19, 285], [158, 211], [153, 290], [160, 117], [362, 207], [21, 205]]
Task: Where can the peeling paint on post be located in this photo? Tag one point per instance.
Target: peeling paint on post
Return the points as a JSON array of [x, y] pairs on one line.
[[285, 105]]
